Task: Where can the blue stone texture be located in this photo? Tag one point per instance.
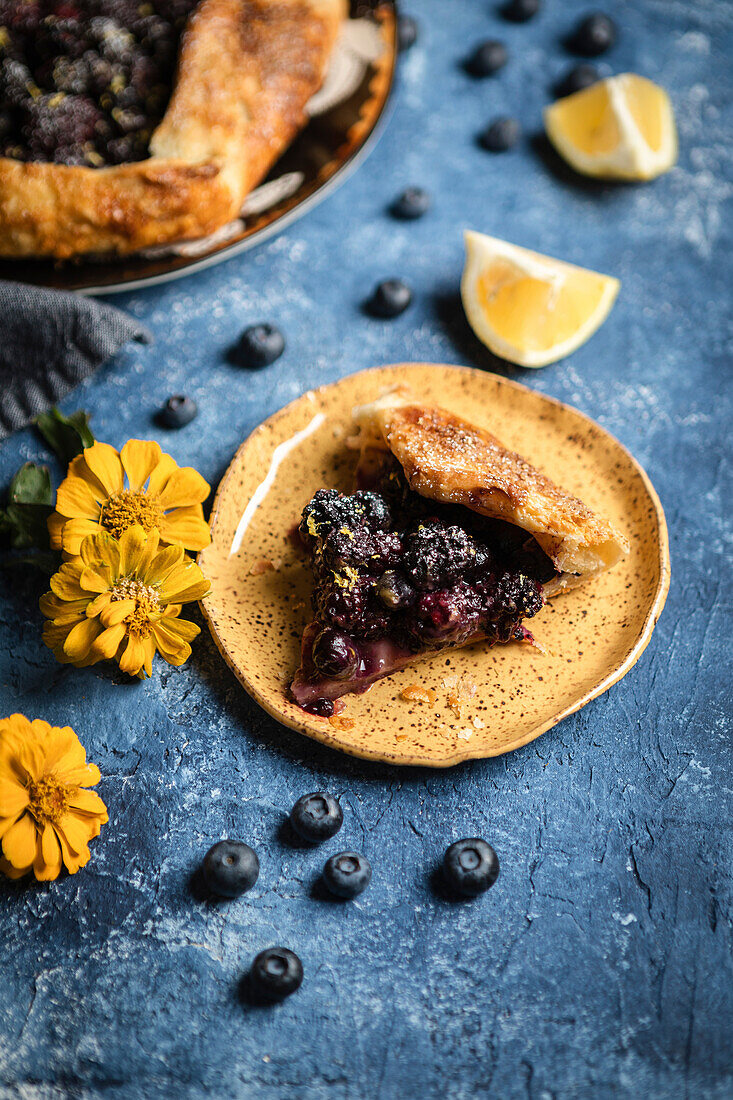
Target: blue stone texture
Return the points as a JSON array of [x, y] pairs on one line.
[[599, 965]]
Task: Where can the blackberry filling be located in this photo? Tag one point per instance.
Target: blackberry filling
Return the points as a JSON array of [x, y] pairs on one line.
[[86, 82], [396, 574]]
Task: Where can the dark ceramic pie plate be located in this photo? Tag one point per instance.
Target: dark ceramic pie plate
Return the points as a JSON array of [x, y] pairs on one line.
[[327, 149]]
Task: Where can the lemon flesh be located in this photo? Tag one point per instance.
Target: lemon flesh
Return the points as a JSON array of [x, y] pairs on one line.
[[619, 128], [529, 308]]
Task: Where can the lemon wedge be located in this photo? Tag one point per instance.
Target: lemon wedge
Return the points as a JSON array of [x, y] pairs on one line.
[[620, 128], [528, 308]]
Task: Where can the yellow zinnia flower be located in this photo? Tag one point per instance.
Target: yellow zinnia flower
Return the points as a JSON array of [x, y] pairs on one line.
[[109, 491], [46, 815], [121, 600]]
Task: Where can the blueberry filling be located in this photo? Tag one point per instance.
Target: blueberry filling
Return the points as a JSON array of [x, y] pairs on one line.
[[85, 82], [395, 573]]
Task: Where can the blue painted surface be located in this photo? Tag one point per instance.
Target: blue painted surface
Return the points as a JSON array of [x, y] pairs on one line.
[[600, 963]]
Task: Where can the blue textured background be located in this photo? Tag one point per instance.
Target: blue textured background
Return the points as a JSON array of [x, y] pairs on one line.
[[600, 964]]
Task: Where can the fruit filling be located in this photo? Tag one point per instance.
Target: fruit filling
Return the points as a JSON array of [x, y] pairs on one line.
[[396, 574], [85, 82]]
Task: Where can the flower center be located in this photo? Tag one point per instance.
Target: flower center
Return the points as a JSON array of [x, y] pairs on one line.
[[147, 603], [49, 800], [128, 507]]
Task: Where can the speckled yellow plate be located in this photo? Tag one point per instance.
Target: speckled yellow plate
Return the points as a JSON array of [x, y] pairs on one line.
[[589, 637]]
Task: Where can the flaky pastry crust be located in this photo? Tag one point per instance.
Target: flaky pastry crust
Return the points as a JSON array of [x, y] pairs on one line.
[[246, 71], [447, 459]]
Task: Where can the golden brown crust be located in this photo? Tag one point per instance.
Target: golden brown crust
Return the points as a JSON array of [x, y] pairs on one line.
[[247, 68], [448, 459]]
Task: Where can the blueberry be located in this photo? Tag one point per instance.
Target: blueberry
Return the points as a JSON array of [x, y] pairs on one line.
[[394, 591], [231, 868], [576, 79], [347, 874], [470, 866], [177, 412], [276, 973], [412, 203], [316, 817], [406, 32], [321, 708], [519, 11], [502, 134], [259, 345], [334, 654], [487, 59], [390, 298], [594, 35]]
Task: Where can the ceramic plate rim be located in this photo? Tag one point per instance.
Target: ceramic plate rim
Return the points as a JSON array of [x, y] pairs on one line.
[[329, 738]]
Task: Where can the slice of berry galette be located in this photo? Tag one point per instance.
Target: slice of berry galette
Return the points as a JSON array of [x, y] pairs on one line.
[[125, 125], [449, 539]]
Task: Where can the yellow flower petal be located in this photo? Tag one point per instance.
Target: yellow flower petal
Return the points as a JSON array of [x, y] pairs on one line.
[[166, 560], [62, 612], [116, 612], [184, 487], [139, 459], [184, 584], [55, 524], [104, 462], [65, 584], [19, 843], [81, 636], [12, 872], [6, 823], [100, 550], [74, 533], [13, 797], [47, 864], [149, 647], [171, 642], [136, 548], [76, 499], [73, 861], [87, 776], [109, 641], [186, 527], [161, 474], [89, 803], [98, 605], [133, 657], [77, 830]]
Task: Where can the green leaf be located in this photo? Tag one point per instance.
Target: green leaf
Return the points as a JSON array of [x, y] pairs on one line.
[[31, 485], [23, 522], [67, 436], [24, 525]]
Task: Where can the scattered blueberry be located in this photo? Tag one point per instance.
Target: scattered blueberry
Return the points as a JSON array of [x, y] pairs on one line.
[[347, 874], [412, 203], [502, 134], [470, 866], [177, 412], [276, 973], [578, 78], [259, 345], [231, 868], [316, 817], [519, 11], [406, 32], [487, 58], [594, 35], [390, 298]]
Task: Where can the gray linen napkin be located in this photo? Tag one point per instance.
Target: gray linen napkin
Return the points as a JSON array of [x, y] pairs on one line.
[[49, 341]]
